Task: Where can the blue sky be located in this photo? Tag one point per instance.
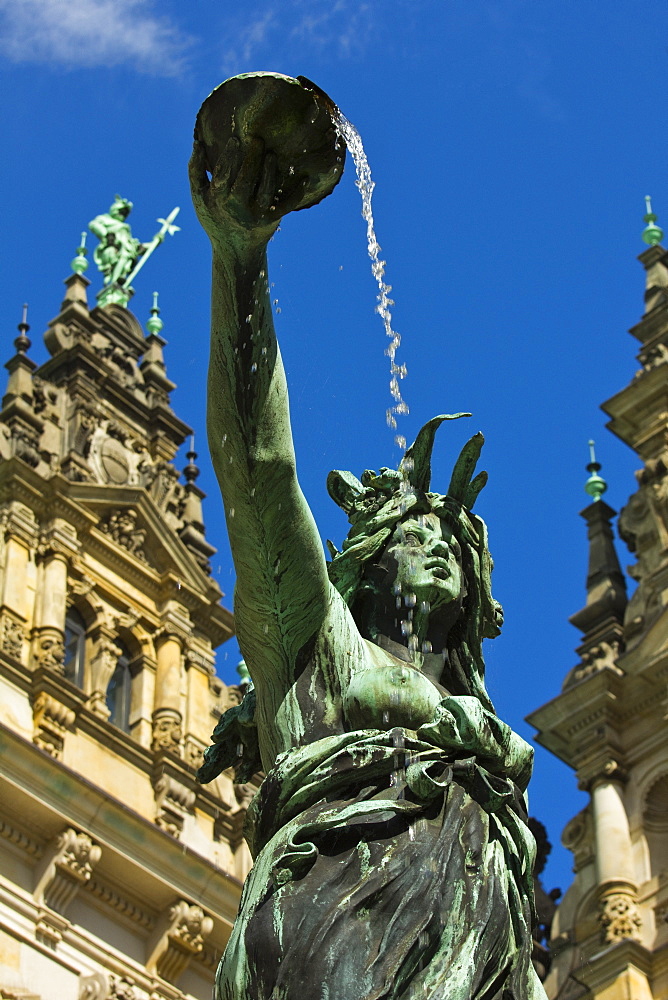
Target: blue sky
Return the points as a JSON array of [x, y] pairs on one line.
[[511, 143]]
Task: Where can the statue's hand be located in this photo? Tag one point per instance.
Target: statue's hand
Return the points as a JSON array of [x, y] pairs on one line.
[[247, 190], [264, 146]]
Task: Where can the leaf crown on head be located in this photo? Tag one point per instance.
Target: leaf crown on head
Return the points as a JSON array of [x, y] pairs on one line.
[[379, 501]]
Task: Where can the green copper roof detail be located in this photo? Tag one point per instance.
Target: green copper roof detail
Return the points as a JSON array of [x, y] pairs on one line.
[[79, 263], [595, 485], [651, 234], [154, 324], [244, 675]]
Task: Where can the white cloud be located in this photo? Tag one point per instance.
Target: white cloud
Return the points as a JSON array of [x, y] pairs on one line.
[[338, 28], [91, 33]]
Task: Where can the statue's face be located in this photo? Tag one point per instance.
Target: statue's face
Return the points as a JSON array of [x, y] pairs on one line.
[[424, 558]]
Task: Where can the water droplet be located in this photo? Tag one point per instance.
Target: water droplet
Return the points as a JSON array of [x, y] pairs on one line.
[[232, 511], [410, 600], [425, 607], [386, 718], [254, 367], [406, 628], [426, 646], [249, 317], [240, 749]]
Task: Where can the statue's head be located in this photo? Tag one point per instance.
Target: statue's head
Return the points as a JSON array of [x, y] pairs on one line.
[[121, 208], [417, 548]]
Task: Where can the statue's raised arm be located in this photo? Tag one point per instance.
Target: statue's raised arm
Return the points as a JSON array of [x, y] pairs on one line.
[[264, 146], [392, 853]]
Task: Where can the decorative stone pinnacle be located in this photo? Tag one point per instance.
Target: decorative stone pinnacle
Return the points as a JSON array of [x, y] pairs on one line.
[[651, 234], [79, 263], [595, 485], [23, 342], [191, 472], [154, 324]]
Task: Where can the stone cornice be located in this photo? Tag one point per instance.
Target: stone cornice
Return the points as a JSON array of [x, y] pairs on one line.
[[563, 722], [34, 778], [604, 967]]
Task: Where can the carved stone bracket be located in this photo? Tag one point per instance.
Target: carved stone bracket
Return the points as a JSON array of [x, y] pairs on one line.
[[51, 720], [167, 733], [103, 663], [618, 915], [179, 936], [65, 869], [173, 800], [20, 523]]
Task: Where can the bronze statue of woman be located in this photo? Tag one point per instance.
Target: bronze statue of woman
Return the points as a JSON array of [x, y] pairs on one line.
[[392, 859]]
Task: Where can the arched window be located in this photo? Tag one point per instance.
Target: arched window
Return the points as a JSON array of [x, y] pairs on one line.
[[655, 821], [75, 646], [119, 692]]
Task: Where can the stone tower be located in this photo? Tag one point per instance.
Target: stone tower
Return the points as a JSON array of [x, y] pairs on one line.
[[609, 723], [119, 874]]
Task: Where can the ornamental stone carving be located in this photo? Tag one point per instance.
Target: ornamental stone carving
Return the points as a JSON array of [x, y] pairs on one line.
[[49, 650], [67, 867], [51, 721], [179, 937], [121, 525], [101, 986], [167, 733], [102, 665], [173, 800], [619, 917], [12, 636]]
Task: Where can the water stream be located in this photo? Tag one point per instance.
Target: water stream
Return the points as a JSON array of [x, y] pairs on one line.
[[366, 185]]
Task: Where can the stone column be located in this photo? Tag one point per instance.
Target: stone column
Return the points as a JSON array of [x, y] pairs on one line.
[[18, 585], [167, 714], [57, 545], [619, 916]]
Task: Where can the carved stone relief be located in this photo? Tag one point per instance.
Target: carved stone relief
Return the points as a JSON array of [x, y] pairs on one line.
[[619, 917], [121, 525], [13, 634], [167, 733], [49, 649]]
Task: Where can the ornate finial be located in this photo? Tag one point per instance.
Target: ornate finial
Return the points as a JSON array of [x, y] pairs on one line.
[[79, 263], [651, 234], [244, 675], [191, 472], [22, 342], [154, 324], [595, 485]]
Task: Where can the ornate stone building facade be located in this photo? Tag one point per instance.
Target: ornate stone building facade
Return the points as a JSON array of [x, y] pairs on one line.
[[609, 723], [119, 874]]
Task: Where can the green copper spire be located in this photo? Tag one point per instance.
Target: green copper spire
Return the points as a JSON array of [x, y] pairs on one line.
[[595, 485], [651, 234], [154, 324], [79, 263]]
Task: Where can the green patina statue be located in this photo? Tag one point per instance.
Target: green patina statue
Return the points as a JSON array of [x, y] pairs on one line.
[[392, 854], [118, 255]]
